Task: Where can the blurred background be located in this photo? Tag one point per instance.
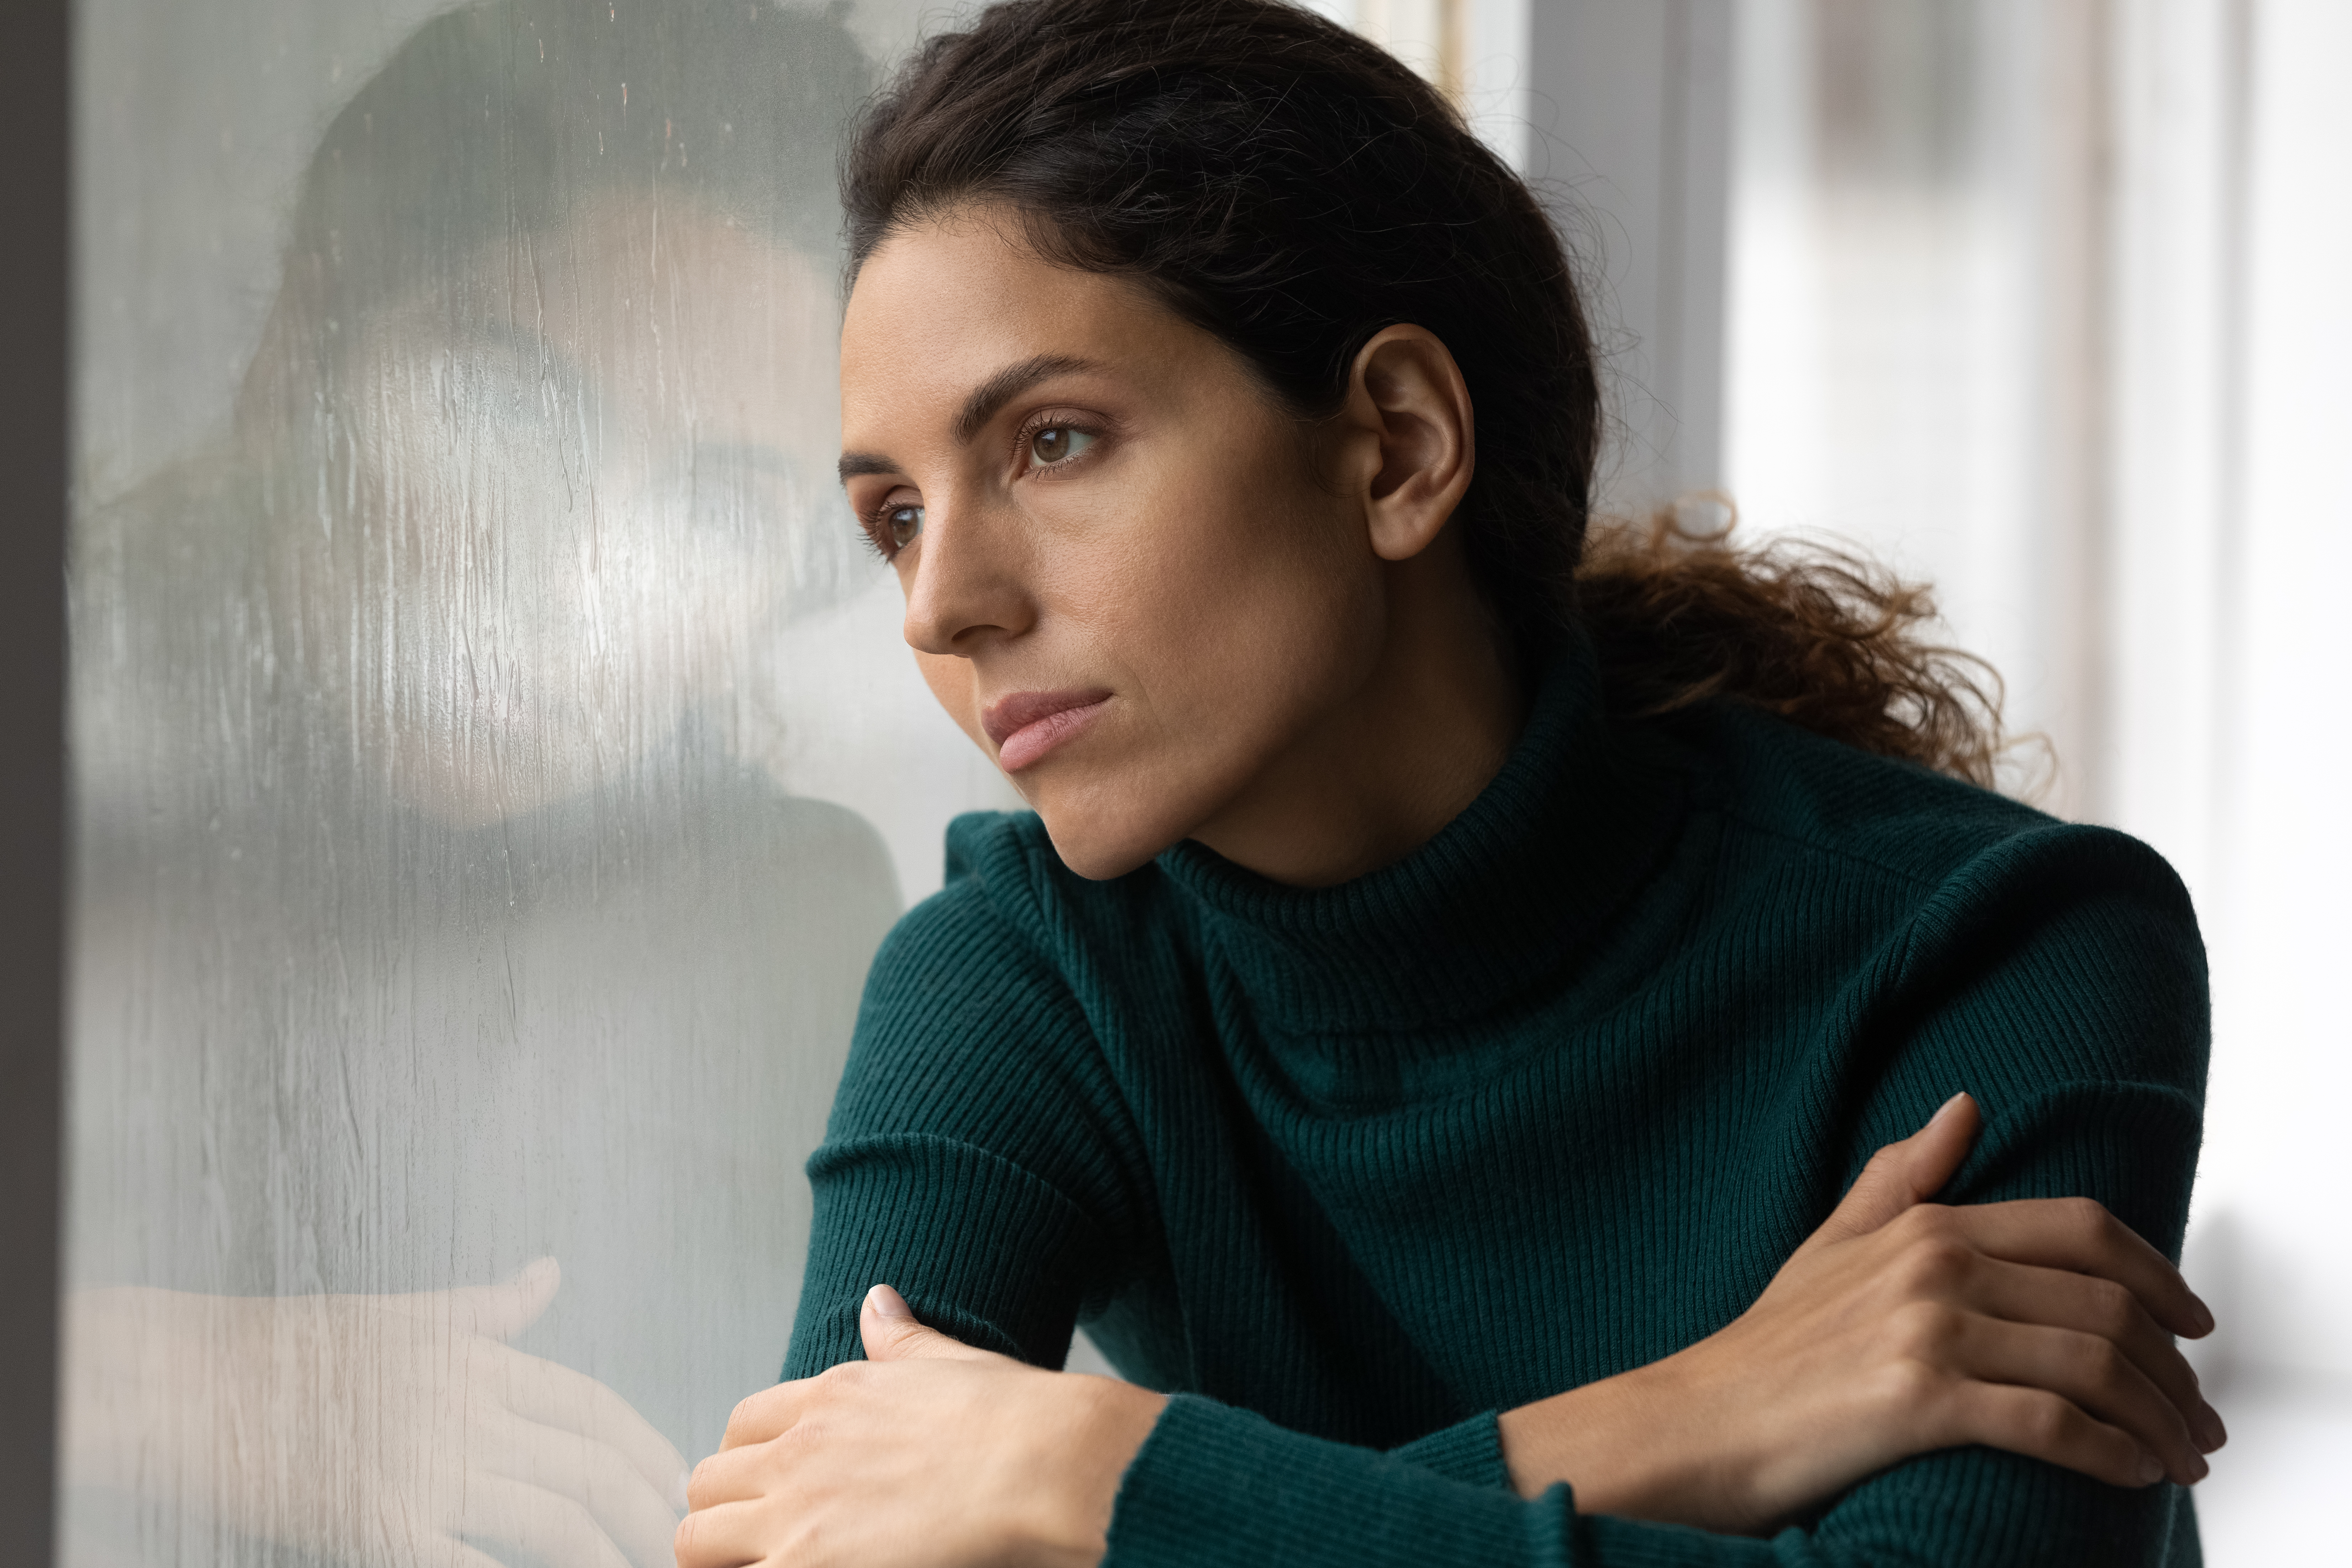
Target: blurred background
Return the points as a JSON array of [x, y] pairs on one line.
[[2042, 301]]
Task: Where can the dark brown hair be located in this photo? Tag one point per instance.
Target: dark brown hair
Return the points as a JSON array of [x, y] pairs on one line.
[[1293, 189]]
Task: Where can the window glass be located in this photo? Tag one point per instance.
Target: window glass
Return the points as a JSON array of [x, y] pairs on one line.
[[495, 764]]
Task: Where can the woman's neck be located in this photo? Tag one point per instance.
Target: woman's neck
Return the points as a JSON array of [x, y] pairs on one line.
[[1404, 755]]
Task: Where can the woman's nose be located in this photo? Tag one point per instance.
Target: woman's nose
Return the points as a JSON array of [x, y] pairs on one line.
[[965, 586]]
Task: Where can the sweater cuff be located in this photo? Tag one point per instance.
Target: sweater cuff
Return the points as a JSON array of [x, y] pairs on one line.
[[1214, 1484], [1469, 1451]]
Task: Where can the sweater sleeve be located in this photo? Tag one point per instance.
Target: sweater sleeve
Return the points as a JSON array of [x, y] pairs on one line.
[[972, 1157], [2060, 981]]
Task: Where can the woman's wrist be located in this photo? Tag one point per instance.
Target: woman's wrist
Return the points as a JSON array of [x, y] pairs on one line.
[[1100, 1426], [1637, 1445]]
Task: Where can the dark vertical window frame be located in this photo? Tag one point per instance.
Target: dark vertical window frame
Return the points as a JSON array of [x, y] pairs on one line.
[[33, 468]]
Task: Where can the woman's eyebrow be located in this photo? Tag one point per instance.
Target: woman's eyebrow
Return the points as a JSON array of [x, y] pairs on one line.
[[853, 464], [1008, 383], [979, 408]]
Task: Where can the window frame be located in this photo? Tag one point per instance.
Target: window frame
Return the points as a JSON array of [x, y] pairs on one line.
[[34, 467]]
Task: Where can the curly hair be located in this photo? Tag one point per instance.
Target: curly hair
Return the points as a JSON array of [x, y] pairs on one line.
[[1287, 185], [1820, 635]]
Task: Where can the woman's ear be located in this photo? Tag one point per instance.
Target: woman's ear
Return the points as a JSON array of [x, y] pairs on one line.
[[1406, 393]]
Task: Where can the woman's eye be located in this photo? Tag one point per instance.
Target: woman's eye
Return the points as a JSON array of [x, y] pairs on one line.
[[1059, 444], [902, 523]]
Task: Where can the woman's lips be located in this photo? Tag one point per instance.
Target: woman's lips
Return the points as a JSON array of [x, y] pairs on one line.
[[1028, 724]]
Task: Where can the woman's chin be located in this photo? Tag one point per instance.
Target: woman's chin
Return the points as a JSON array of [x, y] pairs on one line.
[[1107, 820], [1100, 845], [1098, 859]]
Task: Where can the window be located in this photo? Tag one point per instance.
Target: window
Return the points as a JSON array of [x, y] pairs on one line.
[[495, 763]]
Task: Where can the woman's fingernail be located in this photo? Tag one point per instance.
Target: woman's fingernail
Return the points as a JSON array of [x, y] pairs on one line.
[[1946, 1109], [887, 1303], [2151, 1469], [677, 1492], [2211, 1432], [2204, 1315]]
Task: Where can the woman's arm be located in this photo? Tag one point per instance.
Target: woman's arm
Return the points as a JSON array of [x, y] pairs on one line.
[[2094, 1080], [978, 1156], [1883, 1339], [1213, 1483], [926, 1453], [1900, 1328]]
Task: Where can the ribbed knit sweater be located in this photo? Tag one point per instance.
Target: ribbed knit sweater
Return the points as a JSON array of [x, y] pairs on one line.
[[1349, 1170]]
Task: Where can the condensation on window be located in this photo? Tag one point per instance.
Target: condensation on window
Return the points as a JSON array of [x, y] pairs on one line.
[[495, 764]]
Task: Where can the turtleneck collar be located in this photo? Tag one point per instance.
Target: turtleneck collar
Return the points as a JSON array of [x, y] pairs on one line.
[[1496, 903]]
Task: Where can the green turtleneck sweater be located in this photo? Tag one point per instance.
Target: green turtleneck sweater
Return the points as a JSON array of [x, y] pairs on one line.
[[1350, 1170]]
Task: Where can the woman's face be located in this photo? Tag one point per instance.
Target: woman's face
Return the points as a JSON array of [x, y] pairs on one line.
[[1122, 576]]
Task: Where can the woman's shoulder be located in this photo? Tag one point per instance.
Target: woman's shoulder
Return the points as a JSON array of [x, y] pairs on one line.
[[1006, 966], [1976, 924], [1969, 941], [999, 856], [1896, 823], [1006, 887], [984, 963], [971, 1032]]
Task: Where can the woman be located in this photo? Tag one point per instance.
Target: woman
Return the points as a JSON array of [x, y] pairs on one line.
[[1426, 1028]]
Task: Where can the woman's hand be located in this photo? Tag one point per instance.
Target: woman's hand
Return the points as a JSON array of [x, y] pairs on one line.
[[365, 1429], [1900, 1327], [928, 1454]]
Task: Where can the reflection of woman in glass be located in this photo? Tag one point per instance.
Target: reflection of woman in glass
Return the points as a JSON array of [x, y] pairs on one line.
[[1435, 984], [410, 731]]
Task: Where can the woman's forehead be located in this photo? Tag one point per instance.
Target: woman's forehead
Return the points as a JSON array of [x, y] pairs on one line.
[[942, 309]]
